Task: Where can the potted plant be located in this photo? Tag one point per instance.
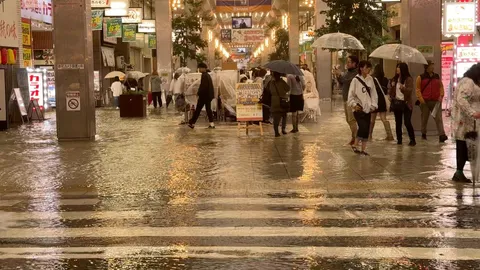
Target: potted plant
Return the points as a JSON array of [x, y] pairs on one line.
[[133, 104]]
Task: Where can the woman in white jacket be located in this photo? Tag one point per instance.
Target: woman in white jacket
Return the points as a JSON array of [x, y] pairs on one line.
[[363, 99]]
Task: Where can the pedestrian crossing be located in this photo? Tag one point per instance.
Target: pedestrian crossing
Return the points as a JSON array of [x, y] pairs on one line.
[[295, 229]]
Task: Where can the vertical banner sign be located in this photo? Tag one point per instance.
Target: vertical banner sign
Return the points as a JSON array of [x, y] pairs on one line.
[[9, 23], [248, 98], [97, 19], [114, 27], [226, 35], [35, 86], [27, 57], [447, 69], [26, 32], [152, 41], [129, 33]]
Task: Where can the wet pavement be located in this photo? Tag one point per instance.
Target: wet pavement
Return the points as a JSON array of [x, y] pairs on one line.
[[150, 194]]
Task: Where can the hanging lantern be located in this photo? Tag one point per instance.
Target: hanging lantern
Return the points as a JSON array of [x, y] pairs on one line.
[[4, 55], [10, 57]]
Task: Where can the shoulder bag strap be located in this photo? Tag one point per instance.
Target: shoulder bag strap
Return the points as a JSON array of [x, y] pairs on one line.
[[364, 84], [426, 85]]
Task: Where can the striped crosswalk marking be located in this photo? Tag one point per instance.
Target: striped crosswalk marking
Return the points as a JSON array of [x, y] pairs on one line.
[[217, 228]]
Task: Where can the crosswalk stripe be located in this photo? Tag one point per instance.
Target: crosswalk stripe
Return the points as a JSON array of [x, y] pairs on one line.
[[48, 202], [77, 215], [336, 201], [312, 214], [217, 252], [109, 232]]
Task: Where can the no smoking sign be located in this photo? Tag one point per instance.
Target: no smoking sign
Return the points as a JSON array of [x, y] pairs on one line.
[[73, 101]]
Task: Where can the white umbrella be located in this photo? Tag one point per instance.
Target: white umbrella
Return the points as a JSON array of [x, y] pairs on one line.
[[114, 74], [137, 75], [338, 41], [183, 70], [399, 52]]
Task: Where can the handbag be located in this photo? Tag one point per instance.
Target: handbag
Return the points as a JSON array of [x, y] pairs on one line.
[[387, 98], [284, 102]]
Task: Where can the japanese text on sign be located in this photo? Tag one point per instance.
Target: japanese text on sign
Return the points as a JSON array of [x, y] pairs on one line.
[[35, 86], [248, 98]]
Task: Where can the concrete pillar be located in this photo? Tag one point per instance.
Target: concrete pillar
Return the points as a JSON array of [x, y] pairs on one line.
[[323, 64], [74, 69], [418, 29], [163, 27], [293, 32]]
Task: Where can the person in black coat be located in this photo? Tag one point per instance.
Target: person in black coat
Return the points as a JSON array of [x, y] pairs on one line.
[[205, 96]]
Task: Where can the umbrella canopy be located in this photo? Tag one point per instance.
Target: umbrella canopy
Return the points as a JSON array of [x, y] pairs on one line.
[[285, 67], [399, 52], [114, 74], [338, 41], [137, 75]]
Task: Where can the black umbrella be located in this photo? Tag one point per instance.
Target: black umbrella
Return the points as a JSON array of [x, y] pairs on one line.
[[285, 67]]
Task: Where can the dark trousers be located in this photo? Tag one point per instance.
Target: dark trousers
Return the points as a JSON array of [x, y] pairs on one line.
[[266, 113], [277, 116], [208, 106], [157, 98], [462, 154], [363, 121], [400, 116]]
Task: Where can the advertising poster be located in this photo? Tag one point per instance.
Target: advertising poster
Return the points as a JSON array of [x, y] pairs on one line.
[[39, 10], [152, 41], [447, 65], [27, 57], [35, 87], [114, 27], [51, 88], [26, 32], [135, 15], [243, 5], [9, 23], [248, 35], [248, 98], [459, 18], [112, 40], [97, 19], [44, 57], [427, 50], [129, 32], [226, 35]]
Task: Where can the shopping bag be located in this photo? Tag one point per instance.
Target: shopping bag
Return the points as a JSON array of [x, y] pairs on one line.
[[435, 110], [150, 98], [472, 142]]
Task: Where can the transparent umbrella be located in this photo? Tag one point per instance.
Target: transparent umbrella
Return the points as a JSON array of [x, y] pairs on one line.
[[137, 75], [399, 52], [338, 41]]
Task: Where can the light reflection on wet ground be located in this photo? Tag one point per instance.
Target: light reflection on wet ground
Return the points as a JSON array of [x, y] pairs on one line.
[[151, 173]]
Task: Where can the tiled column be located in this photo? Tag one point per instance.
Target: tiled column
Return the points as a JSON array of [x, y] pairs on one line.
[[418, 29], [293, 32], [323, 64], [163, 26], [74, 68]]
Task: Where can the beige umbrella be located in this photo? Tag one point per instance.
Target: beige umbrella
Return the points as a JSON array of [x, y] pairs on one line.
[[114, 74]]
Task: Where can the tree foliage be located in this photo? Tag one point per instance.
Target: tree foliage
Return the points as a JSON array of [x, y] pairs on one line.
[[358, 18], [281, 46], [188, 29]]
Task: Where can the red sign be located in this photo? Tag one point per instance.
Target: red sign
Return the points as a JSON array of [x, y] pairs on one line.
[[35, 86]]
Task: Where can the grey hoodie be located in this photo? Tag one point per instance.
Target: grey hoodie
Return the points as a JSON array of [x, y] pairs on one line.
[[345, 81]]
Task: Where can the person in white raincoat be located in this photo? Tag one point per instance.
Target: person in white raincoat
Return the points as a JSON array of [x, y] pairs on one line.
[[363, 100], [465, 111]]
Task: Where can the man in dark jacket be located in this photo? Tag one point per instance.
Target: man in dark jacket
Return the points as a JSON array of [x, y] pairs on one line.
[[205, 97], [345, 81]]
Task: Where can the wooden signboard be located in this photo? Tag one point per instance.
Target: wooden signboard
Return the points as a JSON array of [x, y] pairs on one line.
[[248, 104]]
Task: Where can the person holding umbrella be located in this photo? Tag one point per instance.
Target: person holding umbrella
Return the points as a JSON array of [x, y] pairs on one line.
[[156, 82], [205, 96], [279, 97], [465, 113]]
